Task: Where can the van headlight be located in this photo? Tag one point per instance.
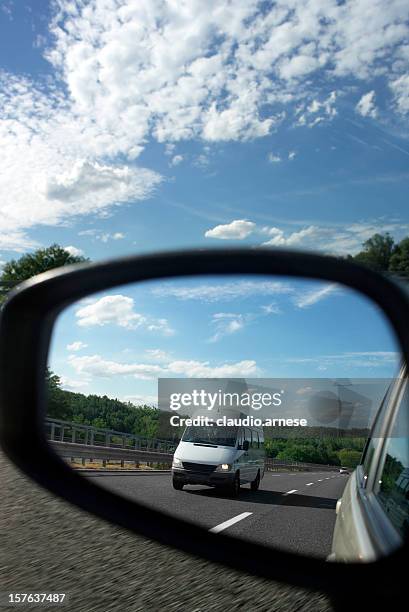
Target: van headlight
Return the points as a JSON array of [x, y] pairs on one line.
[[177, 463], [223, 467]]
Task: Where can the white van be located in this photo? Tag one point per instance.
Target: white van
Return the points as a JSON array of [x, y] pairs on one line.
[[220, 457]]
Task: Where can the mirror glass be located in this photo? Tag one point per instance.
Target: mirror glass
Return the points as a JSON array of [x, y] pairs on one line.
[[243, 404]]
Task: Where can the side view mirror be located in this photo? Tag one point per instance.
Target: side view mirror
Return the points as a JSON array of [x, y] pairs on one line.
[[82, 350]]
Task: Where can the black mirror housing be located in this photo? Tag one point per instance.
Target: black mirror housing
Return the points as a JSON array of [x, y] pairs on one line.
[[26, 325]]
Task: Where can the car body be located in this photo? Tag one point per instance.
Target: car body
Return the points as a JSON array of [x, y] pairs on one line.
[[373, 512], [220, 457]]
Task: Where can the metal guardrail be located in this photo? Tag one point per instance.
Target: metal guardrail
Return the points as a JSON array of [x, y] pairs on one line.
[[85, 442], [272, 465], [78, 433], [107, 454]]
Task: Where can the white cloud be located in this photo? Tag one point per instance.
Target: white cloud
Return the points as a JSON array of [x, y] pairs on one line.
[[298, 238], [292, 155], [170, 148], [209, 69], [338, 240], [202, 369], [74, 251], [309, 298], [270, 308], [124, 73], [366, 105], [105, 237], [234, 124], [111, 309], [52, 186], [223, 291], [102, 236], [17, 241], [160, 325], [7, 8], [141, 400], [76, 346], [274, 159], [400, 89], [118, 310], [298, 66], [226, 324], [157, 355], [201, 161], [76, 384], [356, 359], [317, 111], [236, 230], [176, 160], [95, 365], [85, 179]]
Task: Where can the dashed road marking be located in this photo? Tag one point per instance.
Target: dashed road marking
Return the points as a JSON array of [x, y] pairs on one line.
[[308, 484], [289, 492], [230, 522]]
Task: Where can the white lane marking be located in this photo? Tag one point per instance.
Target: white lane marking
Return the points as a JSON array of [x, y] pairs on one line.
[[230, 522], [309, 484], [289, 492], [319, 479], [327, 479]]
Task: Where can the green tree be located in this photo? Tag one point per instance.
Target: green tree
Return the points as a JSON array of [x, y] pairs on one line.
[[377, 252], [57, 401], [301, 452], [31, 264], [399, 261], [349, 458]]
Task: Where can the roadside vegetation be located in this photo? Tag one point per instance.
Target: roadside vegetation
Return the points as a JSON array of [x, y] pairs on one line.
[[104, 412], [345, 451]]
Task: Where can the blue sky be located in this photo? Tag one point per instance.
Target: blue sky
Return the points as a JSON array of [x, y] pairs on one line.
[[131, 127]]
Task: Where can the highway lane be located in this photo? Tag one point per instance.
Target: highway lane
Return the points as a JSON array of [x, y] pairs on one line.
[[293, 511]]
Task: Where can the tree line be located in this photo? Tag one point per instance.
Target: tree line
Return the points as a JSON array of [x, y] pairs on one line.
[[345, 451], [104, 412], [383, 254]]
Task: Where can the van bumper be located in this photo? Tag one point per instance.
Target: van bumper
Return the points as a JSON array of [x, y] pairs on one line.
[[214, 479]]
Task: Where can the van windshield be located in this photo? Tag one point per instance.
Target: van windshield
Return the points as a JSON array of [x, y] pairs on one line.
[[219, 436]]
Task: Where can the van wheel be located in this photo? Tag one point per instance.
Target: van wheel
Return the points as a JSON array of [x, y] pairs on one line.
[[177, 484], [256, 482], [234, 488]]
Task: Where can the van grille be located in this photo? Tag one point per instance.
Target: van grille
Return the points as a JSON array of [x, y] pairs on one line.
[[201, 468]]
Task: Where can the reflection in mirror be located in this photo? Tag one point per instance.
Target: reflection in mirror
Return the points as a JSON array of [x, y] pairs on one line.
[[240, 403]]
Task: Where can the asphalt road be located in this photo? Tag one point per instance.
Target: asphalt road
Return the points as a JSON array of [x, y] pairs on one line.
[[294, 511], [47, 544]]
